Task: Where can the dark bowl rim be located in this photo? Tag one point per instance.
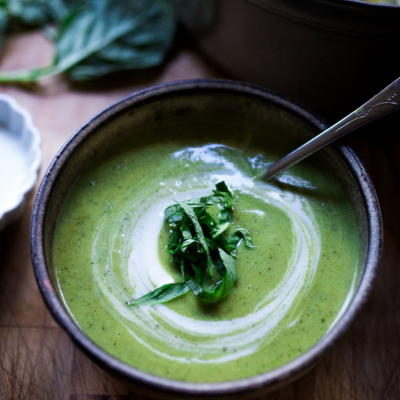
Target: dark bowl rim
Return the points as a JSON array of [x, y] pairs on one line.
[[274, 378]]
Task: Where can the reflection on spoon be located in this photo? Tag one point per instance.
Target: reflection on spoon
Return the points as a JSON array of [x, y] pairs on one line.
[[381, 104]]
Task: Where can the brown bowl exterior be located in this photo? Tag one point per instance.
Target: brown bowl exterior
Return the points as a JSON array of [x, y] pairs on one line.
[[217, 96]]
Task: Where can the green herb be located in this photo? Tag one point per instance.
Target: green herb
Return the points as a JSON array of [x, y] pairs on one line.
[[99, 37], [31, 14], [201, 248], [26, 14]]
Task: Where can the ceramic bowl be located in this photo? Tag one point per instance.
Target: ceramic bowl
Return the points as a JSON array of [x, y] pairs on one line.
[[178, 100], [20, 159]]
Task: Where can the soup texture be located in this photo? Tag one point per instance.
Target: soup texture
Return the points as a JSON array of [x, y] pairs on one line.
[[110, 246]]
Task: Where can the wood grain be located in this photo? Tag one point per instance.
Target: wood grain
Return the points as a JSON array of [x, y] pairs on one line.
[[38, 359]]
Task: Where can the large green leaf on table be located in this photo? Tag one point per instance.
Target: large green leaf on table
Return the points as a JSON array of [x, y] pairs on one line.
[[34, 13], [110, 36], [31, 13], [16, 14], [143, 32], [100, 37]]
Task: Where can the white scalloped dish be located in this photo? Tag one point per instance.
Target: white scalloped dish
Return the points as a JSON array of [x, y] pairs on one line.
[[20, 159]]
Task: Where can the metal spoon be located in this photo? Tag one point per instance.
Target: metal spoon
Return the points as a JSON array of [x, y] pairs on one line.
[[381, 104]]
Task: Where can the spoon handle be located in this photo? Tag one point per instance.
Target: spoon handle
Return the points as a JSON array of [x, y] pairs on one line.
[[383, 103]]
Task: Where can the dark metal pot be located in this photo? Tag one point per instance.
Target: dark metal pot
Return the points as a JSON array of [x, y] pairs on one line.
[[329, 55]]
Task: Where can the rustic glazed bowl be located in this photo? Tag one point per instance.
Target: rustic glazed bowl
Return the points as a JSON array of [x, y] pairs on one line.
[[222, 98]]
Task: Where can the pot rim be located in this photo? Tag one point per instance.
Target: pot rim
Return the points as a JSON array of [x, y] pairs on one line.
[[356, 17], [274, 378]]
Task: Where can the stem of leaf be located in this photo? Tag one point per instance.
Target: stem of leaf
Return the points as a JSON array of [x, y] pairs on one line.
[[28, 76]]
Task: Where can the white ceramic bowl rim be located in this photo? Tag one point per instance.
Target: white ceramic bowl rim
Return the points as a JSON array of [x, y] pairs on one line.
[[17, 123]]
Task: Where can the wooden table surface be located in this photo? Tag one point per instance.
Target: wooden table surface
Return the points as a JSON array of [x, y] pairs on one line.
[[38, 359]]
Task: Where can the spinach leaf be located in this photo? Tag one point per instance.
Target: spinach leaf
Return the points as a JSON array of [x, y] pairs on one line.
[[21, 14], [100, 37], [35, 13], [201, 247]]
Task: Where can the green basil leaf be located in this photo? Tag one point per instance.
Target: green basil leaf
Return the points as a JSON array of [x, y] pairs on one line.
[[162, 294], [101, 37], [219, 229], [173, 214], [201, 246], [200, 235], [36, 13], [26, 14], [230, 277], [246, 236], [134, 34]]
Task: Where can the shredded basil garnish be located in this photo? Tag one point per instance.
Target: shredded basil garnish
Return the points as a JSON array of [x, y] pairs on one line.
[[201, 248]]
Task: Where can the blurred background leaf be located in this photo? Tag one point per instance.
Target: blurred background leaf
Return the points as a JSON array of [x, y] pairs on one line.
[[93, 38]]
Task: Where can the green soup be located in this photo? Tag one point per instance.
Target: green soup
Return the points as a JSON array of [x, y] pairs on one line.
[[110, 246]]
